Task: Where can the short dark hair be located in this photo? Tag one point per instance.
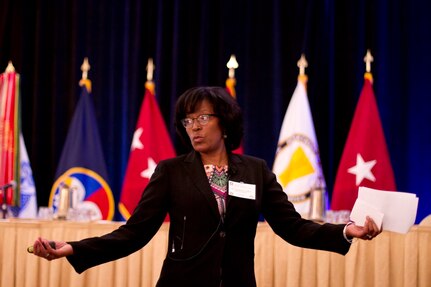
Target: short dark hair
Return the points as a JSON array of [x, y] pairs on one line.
[[224, 105]]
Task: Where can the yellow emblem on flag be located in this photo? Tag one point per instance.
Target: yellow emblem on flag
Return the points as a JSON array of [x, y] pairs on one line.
[[299, 166]]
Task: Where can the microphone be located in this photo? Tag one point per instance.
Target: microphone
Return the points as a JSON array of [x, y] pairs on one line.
[[11, 184], [233, 170], [3, 188], [30, 248]]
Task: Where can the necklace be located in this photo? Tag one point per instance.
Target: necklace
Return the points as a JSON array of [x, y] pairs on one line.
[[218, 176]]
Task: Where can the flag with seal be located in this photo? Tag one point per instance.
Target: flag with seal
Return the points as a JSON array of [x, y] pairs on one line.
[[82, 168]]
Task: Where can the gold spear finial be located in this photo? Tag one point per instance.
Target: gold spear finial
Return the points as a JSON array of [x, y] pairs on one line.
[[149, 84], [150, 69], [368, 59], [10, 68], [85, 67], [232, 64], [302, 64]]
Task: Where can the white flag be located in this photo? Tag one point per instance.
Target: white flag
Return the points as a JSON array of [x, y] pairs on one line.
[[28, 207], [297, 161]]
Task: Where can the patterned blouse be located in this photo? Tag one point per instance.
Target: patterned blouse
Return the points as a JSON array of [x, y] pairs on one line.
[[218, 179]]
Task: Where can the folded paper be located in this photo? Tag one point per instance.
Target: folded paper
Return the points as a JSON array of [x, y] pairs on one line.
[[392, 211]]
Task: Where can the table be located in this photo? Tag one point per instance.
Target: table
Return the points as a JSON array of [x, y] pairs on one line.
[[389, 260]]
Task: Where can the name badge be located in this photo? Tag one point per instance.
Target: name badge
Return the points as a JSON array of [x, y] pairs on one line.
[[243, 190]]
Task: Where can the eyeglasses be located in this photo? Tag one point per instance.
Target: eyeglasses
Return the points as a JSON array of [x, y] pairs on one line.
[[202, 120]]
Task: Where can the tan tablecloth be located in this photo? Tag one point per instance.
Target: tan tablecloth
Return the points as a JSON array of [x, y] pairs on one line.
[[389, 260]]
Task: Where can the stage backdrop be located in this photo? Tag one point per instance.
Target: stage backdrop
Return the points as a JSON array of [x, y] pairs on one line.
[[191, 43]]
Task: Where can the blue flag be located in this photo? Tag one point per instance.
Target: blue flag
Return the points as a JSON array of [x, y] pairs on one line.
[[28, 204], [82, 165]]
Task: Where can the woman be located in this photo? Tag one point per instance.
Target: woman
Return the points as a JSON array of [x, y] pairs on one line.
[[214, 199]]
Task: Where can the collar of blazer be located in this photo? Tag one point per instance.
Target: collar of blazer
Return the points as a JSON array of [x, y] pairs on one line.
[[194, 167], [235, 163]]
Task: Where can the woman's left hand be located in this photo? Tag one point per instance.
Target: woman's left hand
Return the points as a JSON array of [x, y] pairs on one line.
[[366, 232]]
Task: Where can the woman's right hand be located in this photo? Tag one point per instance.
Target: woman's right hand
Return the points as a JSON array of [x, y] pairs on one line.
[[42, 248]]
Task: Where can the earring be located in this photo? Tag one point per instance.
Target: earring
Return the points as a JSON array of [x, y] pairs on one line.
[[224, 136]]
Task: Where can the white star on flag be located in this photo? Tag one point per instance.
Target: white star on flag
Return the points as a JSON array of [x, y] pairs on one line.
[[147, 173], [151, 143], [136, 142], [362, 169]]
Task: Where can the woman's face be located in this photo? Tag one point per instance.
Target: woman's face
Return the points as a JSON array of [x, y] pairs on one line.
[[205, 138]]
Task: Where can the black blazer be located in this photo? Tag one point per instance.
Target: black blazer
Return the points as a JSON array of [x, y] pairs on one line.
[[203, 249]]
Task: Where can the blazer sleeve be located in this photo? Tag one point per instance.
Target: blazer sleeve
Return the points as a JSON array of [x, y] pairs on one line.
[[281, 215], [133, 235]]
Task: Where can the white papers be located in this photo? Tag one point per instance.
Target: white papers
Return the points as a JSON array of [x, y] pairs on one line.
[[394, 211], [361, 209]]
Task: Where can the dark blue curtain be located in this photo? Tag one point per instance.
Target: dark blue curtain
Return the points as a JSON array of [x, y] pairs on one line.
[[191, 41]]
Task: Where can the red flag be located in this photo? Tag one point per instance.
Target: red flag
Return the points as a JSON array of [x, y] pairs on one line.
[[9, 136], [151, 143], [365, 160]]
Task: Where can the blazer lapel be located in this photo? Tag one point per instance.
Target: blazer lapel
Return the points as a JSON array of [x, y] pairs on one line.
[[236, 173], [236, 168], [194, 167]]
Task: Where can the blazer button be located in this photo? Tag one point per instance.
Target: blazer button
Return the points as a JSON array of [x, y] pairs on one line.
[[222, 234]]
